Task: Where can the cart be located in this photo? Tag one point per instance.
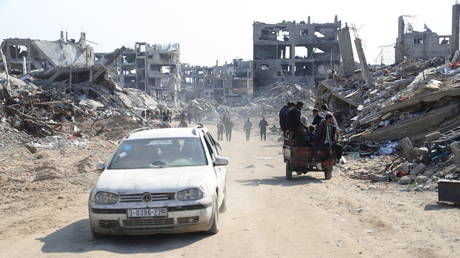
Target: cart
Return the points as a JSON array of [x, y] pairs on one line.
[[300, 160]]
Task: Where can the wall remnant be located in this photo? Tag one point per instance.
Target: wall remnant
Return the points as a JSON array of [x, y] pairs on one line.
[[25, 55]]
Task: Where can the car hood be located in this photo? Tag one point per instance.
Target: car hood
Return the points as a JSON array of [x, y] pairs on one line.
[[153, 180]]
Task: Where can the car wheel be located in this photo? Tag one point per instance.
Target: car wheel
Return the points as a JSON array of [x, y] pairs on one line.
[[288, 171], [223, 207], [215, 218], [328, 172], [96, 235]]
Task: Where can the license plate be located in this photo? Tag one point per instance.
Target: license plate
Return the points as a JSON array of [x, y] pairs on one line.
[[145, 213]]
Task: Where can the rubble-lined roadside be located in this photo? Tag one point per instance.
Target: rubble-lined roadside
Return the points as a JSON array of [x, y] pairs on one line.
[[417, 101]]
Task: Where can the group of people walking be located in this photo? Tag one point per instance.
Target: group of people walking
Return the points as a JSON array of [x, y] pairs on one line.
[[263, 124], [225, 125]]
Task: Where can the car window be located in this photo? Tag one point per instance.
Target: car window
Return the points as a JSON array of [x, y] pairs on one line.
[[212, 150], [159, 153], [214, 143]]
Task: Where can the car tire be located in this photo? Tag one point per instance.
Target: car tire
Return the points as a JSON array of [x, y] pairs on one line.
[[223, 207], [328, 172], [96, 235], [288, 171], [215, 226]]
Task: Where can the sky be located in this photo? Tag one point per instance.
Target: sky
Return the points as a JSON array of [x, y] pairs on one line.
[[209, 30]]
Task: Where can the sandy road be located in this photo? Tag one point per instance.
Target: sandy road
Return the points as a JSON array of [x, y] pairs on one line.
[[271, 217]]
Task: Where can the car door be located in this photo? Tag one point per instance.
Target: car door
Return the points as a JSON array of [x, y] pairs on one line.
[[219, 171]]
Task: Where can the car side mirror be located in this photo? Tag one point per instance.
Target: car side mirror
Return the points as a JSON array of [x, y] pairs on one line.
[[100, 165], [221, 161]]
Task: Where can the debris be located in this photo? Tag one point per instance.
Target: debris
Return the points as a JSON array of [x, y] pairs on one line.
[[405, 180], [45, 171], [455, 148]]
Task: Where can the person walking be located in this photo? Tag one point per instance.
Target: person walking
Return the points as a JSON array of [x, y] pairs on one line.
[[263, 129], [228, 129], [247, 128], [220, 131]]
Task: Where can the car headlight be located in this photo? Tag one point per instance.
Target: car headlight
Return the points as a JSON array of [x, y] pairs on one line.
[[189, 194], [105, 198]]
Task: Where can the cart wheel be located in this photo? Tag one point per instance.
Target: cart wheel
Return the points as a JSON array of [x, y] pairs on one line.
[[288, 171], [328, 172]]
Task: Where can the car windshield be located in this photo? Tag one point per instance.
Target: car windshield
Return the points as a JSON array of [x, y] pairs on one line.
[[159, 153]]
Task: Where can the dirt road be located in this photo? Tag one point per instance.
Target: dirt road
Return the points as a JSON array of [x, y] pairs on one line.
[[267, 217]]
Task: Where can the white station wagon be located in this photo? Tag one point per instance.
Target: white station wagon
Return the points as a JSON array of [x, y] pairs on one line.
[[160, 181]]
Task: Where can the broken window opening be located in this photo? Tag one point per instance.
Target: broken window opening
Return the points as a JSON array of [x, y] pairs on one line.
[[303, 32], [301, 52], [284, 52], [418, 41], [287, 70], [140, 63], [267, 34], [318, 51], [303, 69], [165, 57], [319, 35], [151, 81], [19, 51], [444, 40], [265, 52], [166, 69], [264, 67], [155, 68], [283, 35]]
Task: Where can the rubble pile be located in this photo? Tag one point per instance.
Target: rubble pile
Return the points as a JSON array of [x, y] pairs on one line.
[[412, 109], [273, 99], [35, 108]]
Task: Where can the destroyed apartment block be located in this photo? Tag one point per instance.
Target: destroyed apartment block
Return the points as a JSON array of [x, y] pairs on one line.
[[227, 83], [294, 52], [154, 69], [25, 55], [413, 45]]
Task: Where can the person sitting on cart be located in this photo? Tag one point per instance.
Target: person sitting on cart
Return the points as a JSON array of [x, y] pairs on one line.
[[283, 116], [325, 138]]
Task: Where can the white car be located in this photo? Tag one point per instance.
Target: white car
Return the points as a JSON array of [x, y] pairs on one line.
[[160, 181]]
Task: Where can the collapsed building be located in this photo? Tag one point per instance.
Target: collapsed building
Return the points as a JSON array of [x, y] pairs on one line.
[[294, 52], [154, 69], [25, 55], [226, 83], [412, 44], [410, 108]]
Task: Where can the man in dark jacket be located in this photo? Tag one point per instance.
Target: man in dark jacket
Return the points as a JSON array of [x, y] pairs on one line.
[[294, 124], [316, 117], [263, 129], [283, 115]]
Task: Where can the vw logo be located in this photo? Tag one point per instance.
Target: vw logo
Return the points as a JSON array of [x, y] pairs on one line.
[[147, 197]]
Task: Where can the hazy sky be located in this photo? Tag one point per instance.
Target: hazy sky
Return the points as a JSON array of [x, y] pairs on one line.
[[208, 29]]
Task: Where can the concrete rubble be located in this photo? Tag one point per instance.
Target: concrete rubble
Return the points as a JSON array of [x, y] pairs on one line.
[[408, 110]]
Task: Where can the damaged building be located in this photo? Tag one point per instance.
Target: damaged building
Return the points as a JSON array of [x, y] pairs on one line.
[[154, 69], [412, 44], [294, 52], [224, 83], [25, 55]]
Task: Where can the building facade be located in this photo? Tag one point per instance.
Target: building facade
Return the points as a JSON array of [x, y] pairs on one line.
[[294, 52]]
